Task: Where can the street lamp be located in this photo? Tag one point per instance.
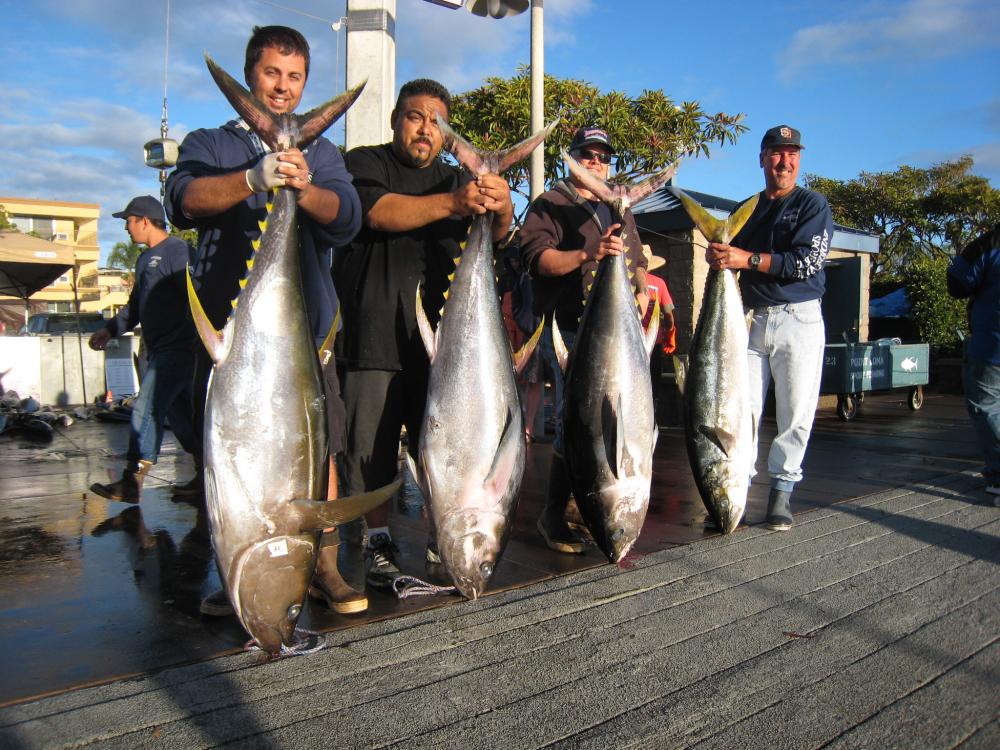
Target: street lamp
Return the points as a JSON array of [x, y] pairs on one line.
[[502, 9]]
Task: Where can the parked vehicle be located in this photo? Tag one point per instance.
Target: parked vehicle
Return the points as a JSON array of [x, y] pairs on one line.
[[57, 324]]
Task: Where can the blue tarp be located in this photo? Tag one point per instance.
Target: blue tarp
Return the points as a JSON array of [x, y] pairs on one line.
[[893, 305]]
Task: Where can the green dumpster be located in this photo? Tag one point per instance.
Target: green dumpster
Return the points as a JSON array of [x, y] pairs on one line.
[[851, 369]]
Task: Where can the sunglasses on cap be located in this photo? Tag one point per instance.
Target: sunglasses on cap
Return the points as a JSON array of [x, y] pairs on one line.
[[585, 154]]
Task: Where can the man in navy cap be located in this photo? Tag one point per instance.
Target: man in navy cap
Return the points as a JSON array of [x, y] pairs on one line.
[[566, 232], [159, 303], [780, 253]]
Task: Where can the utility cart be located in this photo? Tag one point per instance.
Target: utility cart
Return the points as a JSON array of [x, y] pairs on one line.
[[851, 369]]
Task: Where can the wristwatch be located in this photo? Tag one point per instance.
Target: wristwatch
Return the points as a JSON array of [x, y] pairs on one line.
[[754, 261]]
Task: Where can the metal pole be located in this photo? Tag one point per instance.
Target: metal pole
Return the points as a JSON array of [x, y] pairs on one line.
[[537, 164]]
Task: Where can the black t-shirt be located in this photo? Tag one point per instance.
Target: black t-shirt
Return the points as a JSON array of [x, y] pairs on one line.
[[377, 274]]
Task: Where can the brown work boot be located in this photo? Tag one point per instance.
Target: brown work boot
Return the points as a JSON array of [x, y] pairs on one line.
[[329, 586], [128, 488]]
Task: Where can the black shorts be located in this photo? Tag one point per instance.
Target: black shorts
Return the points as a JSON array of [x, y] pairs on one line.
[[336, 417]]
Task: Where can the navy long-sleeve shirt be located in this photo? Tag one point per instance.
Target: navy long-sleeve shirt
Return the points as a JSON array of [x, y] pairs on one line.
[[224, 244], [796, 230], [975, 273], [159, 299]]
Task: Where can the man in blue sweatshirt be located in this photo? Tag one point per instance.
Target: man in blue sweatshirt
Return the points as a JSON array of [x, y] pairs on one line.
[[974, 274], [159, 303], [220, 188], [780, 253]]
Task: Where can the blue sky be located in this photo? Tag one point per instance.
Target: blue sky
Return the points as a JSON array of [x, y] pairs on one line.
[[872, 85]]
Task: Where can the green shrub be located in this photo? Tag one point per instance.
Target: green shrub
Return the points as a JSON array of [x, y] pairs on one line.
[[937, 315]]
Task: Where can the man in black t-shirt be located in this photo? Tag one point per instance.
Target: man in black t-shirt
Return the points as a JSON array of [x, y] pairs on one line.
[[416, 211]]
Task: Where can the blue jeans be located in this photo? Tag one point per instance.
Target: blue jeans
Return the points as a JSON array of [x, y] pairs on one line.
[[165, 393], [786, 345], [982, 398], [548, 350]]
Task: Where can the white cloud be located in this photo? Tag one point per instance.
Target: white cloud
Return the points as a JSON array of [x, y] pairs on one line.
[[912, 30]]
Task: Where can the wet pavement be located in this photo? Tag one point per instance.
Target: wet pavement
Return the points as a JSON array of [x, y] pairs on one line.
[[93, 590]]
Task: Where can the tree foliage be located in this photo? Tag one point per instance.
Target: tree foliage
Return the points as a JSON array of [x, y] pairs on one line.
[[917, 213], [5, 222], [937, 315], [649, 131], [124, 256]]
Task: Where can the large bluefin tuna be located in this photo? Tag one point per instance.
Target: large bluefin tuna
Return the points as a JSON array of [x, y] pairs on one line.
[[609, 425], [471, 450], [265, 420], [715, 382]]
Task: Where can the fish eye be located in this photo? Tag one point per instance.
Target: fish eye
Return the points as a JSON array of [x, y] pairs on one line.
[[294, 611]]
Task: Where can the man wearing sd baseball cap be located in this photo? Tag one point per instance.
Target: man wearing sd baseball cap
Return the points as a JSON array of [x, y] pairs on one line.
[[159, 303], [780, 254]]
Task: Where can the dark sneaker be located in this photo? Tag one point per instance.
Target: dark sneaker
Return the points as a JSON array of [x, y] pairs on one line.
[[779, 514], [380, 562], [216, 605]]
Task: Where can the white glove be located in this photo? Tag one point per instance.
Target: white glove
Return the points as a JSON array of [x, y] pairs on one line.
[[264, 175]]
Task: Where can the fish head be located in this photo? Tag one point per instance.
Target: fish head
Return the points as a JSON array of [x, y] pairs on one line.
[[621, 510], [726, 484], [470, 543], [269, 586]]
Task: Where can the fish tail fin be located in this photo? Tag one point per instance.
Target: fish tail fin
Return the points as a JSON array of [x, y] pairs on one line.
[[640, 190], [322, 514], [211, 338], [680, 371], [522, 355], [591, 182], [269, 126], [249, 107], [713, 229], [478, 161], [739, 217], [654, 327], [519, 152], [313, 123], [427, 334]]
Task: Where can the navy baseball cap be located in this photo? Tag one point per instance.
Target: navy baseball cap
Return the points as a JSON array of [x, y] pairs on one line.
[[590, 135], [781, 135], [144, 205]]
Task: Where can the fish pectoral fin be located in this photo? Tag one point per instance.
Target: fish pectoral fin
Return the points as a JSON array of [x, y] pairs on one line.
[[322, 514], [505, 458], [211, 338], [654, 328], [724, 440], [562, 353], [613, 430], [523, 355], [418, 475], [427, 333], [326, 348], [680, 371]]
